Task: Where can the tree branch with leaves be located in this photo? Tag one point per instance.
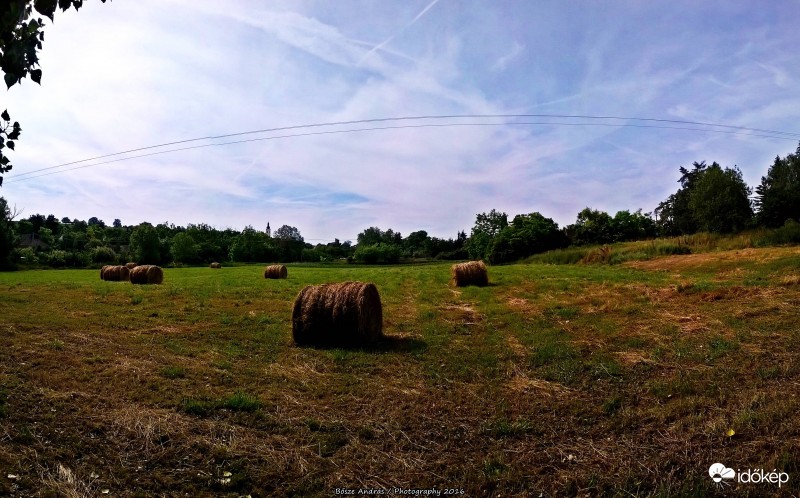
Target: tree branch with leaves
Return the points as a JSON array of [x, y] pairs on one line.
[[21, 38]]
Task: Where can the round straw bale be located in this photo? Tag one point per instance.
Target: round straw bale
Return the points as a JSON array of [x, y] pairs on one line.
[[131, 266], [275, 271], [123, 272], [346, 313], [147, 274], [114, 273], [215, 265], [102, 272], [470, 273]]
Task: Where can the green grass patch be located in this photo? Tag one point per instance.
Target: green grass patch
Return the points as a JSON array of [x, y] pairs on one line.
[[199, 407], [241, 402], [236, 402], [173, 372], [503, 428]]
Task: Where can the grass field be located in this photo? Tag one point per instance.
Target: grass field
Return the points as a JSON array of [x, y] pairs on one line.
[[615, 380]]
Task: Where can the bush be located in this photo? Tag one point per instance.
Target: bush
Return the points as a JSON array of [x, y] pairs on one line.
[[789, 233], [377, 253], [568, 256], [103, 255], [27, 256], [313, 255], [457, 255], [77, 259], [55, 258], [62, 259]]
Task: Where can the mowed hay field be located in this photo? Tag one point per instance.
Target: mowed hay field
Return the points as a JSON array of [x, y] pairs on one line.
[[624, 380]]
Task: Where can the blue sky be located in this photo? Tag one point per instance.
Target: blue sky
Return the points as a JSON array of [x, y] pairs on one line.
[[130, 74]]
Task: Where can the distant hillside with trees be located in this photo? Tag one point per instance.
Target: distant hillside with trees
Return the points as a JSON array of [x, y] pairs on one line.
[[710, 198]]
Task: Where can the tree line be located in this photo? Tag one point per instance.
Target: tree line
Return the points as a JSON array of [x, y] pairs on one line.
[[709, 198], [46, 241]]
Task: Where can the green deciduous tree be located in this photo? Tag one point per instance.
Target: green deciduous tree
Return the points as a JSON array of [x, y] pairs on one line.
[[720, 200], [527, 234], [53, 224], [778, 194], [592, 227], [287, 232], [184, 249], [289, 243], [371, 235], [7, 237], [9, 132], [487, 227], [377, 253], [449, 248], [633, 226], [47, 237], [145, 245], [674, 215], [213, 245], [417, 244], [374, 235], [252, 245], [103, 255]]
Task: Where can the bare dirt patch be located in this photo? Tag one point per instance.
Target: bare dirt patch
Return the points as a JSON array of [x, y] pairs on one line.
[[516, 347], [517, 302], [633, 357], [463, 314], [519, 381]]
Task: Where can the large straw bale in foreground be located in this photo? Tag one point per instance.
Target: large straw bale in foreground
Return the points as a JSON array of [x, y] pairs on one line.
[[114, 273], [275, 271], [147, 274], [215, 265], [470, 273], [346, 313]]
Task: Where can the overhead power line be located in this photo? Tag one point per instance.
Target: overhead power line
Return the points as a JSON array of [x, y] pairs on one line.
[[708, 128]]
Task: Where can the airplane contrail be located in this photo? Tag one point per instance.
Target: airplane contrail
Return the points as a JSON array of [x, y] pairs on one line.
[[386, 41]]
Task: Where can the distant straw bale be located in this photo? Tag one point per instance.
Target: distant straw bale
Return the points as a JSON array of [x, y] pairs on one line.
[[131, 266], [215, 265], [346, 313], [469, 273], [275, 271], [114, 273], [147, 274]]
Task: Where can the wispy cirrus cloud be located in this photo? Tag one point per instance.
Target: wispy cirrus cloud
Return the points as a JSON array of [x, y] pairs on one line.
[[181, 69], [388, 40]]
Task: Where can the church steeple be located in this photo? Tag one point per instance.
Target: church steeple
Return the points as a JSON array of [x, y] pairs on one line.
[[269, 232]]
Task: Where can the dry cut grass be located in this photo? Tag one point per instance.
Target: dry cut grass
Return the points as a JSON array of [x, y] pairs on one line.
[[576, 380]]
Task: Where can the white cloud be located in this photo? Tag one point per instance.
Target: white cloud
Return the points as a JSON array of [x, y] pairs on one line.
[[501, 63], [123, 75]]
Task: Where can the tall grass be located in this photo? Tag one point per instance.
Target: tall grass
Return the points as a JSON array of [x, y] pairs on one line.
[[787, 234], [683, 244]]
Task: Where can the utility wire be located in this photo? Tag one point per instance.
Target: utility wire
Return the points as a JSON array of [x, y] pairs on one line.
[[727, 129]]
